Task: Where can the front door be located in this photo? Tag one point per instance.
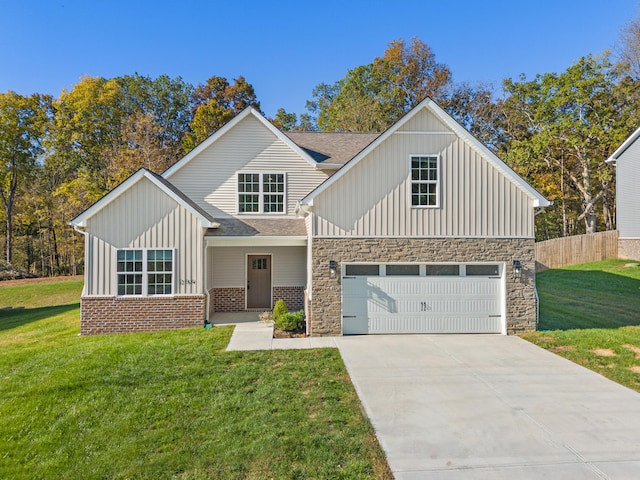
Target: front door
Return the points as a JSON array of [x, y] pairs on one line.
[[259, 281]]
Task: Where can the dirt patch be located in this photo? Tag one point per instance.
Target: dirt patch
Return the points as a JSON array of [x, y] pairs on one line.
[[604, 352], [561, 348], [25, 281], [635, 368], [634, 349]]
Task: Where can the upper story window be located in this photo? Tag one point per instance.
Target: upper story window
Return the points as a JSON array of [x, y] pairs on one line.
[[425, 174], [144, 272], [261, 192]]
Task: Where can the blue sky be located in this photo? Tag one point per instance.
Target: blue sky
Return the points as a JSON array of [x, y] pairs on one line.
[[285, 48]]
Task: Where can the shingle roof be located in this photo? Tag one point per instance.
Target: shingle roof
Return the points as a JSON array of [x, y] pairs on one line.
[[255, 227], [332, 147]]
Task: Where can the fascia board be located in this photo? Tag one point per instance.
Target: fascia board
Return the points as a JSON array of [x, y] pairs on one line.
[[265, 241], [363, 153], [80, 220], [538, 199], [227, 127], [622, 148]]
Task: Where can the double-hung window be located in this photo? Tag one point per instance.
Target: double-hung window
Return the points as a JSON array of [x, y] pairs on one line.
[[425, 172], [261, 192], [144, 272]]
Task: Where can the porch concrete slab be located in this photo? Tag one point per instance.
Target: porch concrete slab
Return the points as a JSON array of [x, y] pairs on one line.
[[491, 406]]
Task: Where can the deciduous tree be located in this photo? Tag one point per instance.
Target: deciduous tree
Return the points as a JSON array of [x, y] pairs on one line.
[[22, 127], [215, 103], [562, 128]]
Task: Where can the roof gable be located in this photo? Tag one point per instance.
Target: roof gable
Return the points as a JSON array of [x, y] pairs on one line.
[[456, 128], [226, 128], [624, 147], [206, 220]]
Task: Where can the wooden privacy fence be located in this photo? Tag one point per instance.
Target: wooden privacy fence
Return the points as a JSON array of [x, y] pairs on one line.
[[592, 247]]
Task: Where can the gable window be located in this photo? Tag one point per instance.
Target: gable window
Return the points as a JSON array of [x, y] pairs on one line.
[[261, 192], [144, 272], [424, 180]]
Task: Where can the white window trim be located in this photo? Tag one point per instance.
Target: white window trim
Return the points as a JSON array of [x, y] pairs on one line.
[[261, 193], [145, 273], [437, 182]]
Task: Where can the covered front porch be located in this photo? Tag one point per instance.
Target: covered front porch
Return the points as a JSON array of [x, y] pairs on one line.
[[249, 274]]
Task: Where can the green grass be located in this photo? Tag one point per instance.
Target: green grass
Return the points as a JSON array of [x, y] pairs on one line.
[[590, 314], [169, 404]]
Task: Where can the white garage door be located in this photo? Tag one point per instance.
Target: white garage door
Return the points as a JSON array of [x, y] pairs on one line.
[[422, 299]]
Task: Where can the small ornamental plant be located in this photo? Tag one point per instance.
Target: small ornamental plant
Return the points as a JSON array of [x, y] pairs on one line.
[[279, 309], [290, 321]]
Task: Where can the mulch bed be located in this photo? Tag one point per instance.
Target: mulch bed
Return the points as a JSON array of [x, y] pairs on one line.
[[289, 333]]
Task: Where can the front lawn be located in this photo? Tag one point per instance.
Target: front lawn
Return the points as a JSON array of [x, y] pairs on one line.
[[590, 314], [170, 404]]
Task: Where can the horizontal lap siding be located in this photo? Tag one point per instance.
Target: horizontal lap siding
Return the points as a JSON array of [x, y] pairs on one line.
[[374, 197], [210, 178], [228, 264], [144, 217]]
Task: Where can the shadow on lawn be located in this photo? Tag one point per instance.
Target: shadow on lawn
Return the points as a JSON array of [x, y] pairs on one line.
[[576, 299], [17, 317]]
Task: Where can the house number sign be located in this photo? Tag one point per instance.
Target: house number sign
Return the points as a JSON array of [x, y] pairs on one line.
[[187, 282]]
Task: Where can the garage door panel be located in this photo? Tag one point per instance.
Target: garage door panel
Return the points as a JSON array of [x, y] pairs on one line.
[[434, 324], [422, 305]]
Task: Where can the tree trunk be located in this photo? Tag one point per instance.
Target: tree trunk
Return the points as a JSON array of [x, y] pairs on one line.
[[9, 225]]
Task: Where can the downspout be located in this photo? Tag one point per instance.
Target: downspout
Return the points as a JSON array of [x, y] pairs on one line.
[[84, 234], [207, 322]]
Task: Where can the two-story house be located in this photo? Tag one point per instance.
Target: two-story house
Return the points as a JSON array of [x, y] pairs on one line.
[[420, 229]]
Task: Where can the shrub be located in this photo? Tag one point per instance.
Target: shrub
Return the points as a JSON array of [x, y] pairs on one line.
[[290, 321], [279, 309]]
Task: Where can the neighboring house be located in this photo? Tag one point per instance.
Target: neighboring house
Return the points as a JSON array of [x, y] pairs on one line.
[[627, 161], [419, 229]]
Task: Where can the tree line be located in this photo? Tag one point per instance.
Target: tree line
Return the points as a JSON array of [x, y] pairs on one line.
[[60, 155]]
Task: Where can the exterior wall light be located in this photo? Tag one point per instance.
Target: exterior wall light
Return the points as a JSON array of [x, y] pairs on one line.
[[517, 269], [333, 266]]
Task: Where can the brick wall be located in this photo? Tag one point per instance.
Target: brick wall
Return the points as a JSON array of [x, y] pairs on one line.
[[122, 315], [326, 307], [292, 296], [227, 299], [232, 299]]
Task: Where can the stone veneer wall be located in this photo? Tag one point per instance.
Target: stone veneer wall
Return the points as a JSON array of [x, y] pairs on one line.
[[326, 305], [126, 314], [629, 248]]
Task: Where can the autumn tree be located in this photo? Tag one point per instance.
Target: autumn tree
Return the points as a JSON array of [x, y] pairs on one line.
[[372, 97], [562, 128], [22, 128], [215, 103]]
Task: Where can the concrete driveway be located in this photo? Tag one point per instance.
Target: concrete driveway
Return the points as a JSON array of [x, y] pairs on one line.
[[491, 407]]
